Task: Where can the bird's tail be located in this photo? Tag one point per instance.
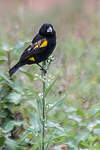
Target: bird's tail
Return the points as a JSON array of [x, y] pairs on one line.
[[14, 69]]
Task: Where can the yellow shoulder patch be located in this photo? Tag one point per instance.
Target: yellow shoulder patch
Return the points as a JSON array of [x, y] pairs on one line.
[[31, 59], [44, 44], [37, 46]]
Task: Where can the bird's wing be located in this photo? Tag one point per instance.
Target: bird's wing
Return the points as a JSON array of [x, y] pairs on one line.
[[37, 46]]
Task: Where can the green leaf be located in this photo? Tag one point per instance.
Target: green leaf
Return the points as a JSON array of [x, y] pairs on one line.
[[3, 59], [18, 86], [80, 112], [84, 144], [82, 136], [27, 136], [71, 109], [97, 131], [14, 98], [48, 141], [54, 125], [57, 138], [39, 104], [5, 78], [6, 47], [59, 102], [50, 87], [9, 126], [74, 117], [92, 138], [94, 110], [2, 53], [2, 140], [35, 124], [1, 131], [11, 145], [72, 144]]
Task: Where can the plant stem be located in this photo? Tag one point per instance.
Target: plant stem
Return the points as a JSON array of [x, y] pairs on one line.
[[9, 60], [44, 64], [43, 107]]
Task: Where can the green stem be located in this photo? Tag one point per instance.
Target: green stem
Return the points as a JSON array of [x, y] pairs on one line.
[[43, 107], [44, 64], [9, 60]]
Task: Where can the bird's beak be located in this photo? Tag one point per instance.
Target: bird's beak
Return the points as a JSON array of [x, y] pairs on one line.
[[49, 29]]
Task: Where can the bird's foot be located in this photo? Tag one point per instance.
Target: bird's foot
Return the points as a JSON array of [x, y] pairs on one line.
[[44, 70]]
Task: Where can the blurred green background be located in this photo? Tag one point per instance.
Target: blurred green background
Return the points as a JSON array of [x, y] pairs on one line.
[[73, 80]]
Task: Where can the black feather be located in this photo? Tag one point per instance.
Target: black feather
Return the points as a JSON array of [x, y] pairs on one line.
[[14, 69], [35, 50]]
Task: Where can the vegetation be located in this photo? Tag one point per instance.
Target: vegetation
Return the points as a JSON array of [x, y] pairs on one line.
[[72, 83]]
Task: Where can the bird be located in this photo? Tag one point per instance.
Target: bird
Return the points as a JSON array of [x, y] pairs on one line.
[[39, 49]]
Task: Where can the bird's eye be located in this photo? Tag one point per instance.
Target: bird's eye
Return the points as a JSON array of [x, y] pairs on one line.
[[49, 29]]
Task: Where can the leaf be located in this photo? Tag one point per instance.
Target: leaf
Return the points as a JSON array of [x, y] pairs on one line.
[[56, 103], [92, 138], [50, 87], [57, 138], [4, 92], [1, 131], [4, 77], [80, 112], [18, 86], [71, 109], [39, 104], [6, 47], [85, 145], [35, 126], [3, 59], [9, 126], [91, 125], [74, 117], [54, 125], [10, 145], [48, 141], [2, 53], [27, 135], [14, 98], [94, 110], [97, 131], [2, 140], [72, 144], [82, 136]]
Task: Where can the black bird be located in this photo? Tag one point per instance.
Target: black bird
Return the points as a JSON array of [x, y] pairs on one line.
[[40, 48]]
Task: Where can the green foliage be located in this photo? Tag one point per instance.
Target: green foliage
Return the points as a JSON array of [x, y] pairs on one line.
[[72, 87], [20, 115]]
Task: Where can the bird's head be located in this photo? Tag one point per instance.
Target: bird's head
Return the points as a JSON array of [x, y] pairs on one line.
[[47, 30]]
